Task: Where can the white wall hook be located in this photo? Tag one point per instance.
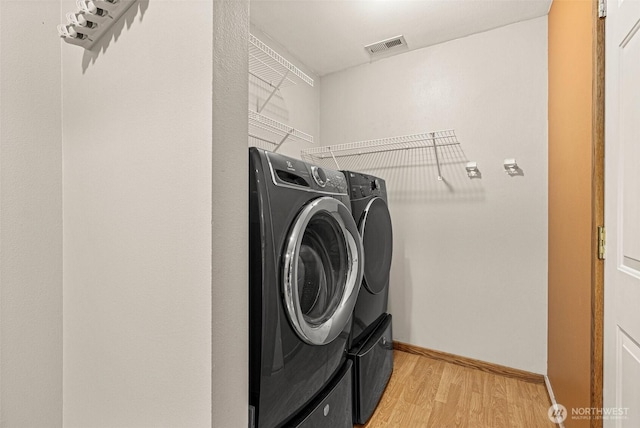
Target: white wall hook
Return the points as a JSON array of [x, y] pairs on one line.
[[71, 17], [472, 170], [68, 32], [92, 20], [87, 6], [62, 30], [72, 32], [79, 20], [511, 166]]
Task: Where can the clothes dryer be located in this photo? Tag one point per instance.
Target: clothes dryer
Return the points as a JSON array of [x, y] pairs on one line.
[[305, 270], [370, 210], [371, 342]]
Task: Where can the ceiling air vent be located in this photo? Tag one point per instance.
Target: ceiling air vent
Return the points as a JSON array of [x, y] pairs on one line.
[[384, 46]]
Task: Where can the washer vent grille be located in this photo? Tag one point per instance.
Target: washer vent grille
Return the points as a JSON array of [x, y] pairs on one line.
[[385, 45]]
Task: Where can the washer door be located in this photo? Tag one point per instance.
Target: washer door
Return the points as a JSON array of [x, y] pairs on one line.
[[377, 238], [323, 265]]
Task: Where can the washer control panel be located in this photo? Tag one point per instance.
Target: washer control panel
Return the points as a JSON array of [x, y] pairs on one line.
[[291, 172]]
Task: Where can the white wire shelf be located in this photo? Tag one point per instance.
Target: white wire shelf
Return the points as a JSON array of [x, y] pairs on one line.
[[276, 72], [426, 140], [270, 131], [270, 67]]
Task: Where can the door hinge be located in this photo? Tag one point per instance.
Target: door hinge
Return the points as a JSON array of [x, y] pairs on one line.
[[602, 242], [602, 8]]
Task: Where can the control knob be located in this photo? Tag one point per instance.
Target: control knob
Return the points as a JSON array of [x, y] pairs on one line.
[[319, 176]]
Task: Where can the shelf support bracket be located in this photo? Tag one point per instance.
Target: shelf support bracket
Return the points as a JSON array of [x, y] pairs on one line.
[[334, 157], [435, 151], [275, 89], [275, 149], [261, 139]]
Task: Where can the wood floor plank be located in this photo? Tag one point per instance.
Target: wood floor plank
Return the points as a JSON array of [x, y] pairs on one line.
[[499, 406], [515, 404], [431, 393]]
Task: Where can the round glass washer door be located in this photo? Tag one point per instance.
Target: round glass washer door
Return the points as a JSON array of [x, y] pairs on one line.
[[323, 268]]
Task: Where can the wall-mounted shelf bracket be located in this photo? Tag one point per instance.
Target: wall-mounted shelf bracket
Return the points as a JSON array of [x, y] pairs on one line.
[[287, 135], [273, 91], [432, 135]]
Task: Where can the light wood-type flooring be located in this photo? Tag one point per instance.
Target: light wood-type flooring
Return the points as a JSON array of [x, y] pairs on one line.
[[424, 392]]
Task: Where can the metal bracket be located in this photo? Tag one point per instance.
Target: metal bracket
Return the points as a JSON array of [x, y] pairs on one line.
[[602, 8], [602, 242], [435, 151], [283, 140], [275, 89], [334, 158]]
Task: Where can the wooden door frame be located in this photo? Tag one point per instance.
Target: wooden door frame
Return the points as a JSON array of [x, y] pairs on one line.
[[597, 214]]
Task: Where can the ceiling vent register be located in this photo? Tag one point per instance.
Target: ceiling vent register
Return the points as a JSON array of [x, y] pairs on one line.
[[384, 46]]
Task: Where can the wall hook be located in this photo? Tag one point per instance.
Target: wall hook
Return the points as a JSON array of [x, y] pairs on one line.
[[472, 170], [91, 21], [511, 166]]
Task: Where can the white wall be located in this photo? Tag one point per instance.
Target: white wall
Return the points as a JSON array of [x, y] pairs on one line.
[[295, 105], [154, 325], [470, 256], [30, 216]]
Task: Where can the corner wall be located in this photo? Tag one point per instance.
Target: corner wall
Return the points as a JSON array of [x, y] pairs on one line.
[[155, 286], [30, 216], [570, 202], [230, 214], [469, 272]]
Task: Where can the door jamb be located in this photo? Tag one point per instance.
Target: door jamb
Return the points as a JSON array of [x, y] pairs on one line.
[[597, 214]]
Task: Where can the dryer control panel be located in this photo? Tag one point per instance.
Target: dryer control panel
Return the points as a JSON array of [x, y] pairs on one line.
[[362, 186], [291, 172]]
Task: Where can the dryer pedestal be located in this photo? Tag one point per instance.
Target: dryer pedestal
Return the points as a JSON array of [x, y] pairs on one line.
[[373, 365], [333, 407]]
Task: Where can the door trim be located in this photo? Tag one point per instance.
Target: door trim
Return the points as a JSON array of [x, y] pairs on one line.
[[597, 215]]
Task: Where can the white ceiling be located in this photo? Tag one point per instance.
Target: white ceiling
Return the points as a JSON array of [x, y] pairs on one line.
[[330, 35]]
